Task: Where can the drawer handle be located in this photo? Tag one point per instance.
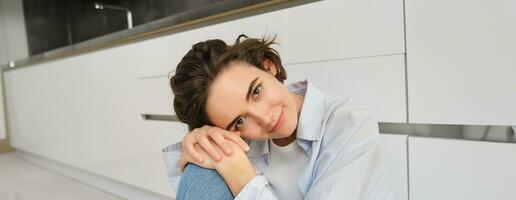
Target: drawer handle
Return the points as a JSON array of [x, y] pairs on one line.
[[172, 118]]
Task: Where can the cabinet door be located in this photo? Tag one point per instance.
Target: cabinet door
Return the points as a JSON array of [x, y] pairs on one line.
[[335, 29], [461, 62], [155, 96], [393, 149], [159, 56], [378, 83], [460, 169], [154, 136], [79, 111]]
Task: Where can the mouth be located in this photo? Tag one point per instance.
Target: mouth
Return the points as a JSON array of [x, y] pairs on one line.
[[278, 124]]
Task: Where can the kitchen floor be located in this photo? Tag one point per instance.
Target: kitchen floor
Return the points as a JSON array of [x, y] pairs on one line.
[[22, 180]]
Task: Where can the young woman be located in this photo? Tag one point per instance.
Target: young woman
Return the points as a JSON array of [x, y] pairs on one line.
[[251, 137]]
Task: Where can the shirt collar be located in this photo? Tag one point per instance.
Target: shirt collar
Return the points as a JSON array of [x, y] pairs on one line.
[[312, 112], [310, 119]]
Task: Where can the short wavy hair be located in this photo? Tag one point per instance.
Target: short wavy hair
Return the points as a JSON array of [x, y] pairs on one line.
[[202, 64]]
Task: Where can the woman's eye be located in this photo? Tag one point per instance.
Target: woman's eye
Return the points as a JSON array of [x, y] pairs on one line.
[[239, 123], [257, 90]]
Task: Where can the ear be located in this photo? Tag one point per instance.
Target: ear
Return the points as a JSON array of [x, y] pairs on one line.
[[270, 67]]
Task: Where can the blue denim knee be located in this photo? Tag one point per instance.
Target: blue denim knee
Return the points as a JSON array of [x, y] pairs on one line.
[[199, 183]]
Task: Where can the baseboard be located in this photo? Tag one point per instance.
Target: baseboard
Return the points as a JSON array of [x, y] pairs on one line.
[[106, 184]]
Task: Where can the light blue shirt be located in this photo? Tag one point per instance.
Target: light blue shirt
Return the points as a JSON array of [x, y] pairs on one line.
[[341, 141]]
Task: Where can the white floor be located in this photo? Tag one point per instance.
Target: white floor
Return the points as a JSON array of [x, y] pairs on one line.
[[22, 180]]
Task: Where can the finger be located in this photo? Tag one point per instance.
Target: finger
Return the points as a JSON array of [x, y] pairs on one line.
[[220, 140], [209, 148], [190, 150], [238, 140], [182, 164]]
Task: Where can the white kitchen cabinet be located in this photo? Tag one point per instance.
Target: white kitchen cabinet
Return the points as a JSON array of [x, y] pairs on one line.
[[460, 169], [161, 55], [156, 135], [336, 29], [155, 96], [377, 83], [80, 111], [393, 149], [461, 62]]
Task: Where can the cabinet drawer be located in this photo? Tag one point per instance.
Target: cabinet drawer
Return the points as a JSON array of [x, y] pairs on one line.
[[378, 83], [334, 29], [393, 149], [160, 56], [461, 63], [155, 96], [460, 169]]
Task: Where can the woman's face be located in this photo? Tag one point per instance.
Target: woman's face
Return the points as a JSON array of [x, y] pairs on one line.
[[250, 100]]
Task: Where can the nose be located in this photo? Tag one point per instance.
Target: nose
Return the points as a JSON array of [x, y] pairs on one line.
[[262, 113]]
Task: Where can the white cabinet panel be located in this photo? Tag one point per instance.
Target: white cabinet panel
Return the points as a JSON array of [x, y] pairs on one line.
[[153, 57], [79, 111], [171, 49], [155, 96], [156, 135], [334, 29], [461, 62], [394, 151], [378, 83], [460, 169]]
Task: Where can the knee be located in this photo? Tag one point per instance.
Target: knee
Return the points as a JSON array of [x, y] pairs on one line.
[[201, 183]]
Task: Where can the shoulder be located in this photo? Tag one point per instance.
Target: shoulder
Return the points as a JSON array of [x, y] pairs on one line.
[[348, 121]]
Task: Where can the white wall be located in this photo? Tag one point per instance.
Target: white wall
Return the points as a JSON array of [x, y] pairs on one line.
[[13, 38], [13, 43]]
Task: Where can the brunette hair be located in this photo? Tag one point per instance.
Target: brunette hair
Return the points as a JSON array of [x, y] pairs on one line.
[[200, 67]]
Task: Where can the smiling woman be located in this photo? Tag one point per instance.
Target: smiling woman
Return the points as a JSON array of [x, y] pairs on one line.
[[300, 143]]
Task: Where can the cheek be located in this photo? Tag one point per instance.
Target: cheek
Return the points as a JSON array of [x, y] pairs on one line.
[[274, 96], [253, 132]]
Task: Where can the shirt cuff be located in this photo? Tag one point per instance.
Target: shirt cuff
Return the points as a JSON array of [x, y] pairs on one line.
[[253, 188]]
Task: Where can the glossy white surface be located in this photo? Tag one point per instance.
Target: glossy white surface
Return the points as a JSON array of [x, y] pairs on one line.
[[80, 111], [461, 62], [155, 96], [334, 29], [460, 169], [393, 149], [330, 31], [171, 49], [378, 83]]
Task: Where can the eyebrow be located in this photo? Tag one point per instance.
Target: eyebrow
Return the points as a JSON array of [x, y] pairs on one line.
[[251, 86]]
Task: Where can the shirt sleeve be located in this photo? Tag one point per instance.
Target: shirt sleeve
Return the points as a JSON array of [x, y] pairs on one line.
[[257, 189], [171, 155], [349, 164]]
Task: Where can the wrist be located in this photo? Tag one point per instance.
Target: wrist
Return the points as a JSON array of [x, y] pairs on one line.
[[236, 175]]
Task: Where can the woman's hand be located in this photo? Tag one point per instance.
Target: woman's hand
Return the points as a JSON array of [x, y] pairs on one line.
[[236, 169], [208, 162], [211, 138]]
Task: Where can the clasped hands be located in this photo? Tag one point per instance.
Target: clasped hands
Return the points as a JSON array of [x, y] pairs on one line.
[[214, 148]]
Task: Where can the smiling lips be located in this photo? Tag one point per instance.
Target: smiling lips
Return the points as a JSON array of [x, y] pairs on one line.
[[279, 122]]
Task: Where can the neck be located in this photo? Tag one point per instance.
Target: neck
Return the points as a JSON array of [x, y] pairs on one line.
[[286, 140]]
